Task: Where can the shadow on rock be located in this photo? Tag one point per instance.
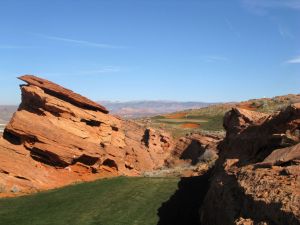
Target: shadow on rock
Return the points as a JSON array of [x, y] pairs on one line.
[[184, 205]]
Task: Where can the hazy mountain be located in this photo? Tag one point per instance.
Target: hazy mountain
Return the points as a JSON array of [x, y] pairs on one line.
[[6, 112], [133, 109]]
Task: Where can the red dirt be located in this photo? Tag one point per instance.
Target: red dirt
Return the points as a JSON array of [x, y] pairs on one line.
[[247, 106], [175, 116], [190, 125]]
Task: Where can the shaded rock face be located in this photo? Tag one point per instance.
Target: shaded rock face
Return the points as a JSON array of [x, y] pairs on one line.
[[191, 148], [256, 179], [192, 155], [58, 137]]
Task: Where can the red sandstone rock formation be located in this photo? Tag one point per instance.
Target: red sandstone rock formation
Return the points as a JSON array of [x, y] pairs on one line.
[[58, 137], [257, 176]]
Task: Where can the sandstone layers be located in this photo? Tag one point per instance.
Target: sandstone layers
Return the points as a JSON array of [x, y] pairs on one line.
[[256, 179], [58, 137]]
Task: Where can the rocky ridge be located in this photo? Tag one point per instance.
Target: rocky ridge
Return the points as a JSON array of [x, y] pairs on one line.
[[256, 179]]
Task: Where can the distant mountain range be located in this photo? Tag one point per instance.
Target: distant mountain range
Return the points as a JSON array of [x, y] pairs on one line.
[[131, 109], [138, 109], [135, 109]]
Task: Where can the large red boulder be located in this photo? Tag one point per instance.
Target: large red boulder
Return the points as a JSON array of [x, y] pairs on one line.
[[58, 137]]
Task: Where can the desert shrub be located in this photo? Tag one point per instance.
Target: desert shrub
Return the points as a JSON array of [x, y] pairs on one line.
[[255, 104], [15, 189], [208, 156], [158, 117]]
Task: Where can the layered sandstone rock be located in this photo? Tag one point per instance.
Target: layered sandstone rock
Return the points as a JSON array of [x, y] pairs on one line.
[[58, 137], [257, 176], [192, 155]]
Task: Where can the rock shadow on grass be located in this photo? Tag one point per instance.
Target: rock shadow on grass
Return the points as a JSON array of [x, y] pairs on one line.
[[184, 205]]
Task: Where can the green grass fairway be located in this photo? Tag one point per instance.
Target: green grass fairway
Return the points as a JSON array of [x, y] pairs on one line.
[[116, 201]]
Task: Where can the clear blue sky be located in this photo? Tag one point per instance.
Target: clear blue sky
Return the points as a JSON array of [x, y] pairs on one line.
[[200, 50]]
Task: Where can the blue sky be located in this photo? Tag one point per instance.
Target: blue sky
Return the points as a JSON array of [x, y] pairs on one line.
[[185, 50]]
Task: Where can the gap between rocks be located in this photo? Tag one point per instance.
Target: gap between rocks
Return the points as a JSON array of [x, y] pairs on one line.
[[184, 205]]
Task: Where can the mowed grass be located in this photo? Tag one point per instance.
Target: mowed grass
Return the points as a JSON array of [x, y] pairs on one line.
[[114, 201], [206, 123], [209, 119]]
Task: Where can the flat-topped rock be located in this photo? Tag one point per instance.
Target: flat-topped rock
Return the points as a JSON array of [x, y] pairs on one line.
[[62, 93]]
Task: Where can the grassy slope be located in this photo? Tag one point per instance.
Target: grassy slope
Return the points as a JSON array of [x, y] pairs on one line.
[[116, 201], [210, 119]]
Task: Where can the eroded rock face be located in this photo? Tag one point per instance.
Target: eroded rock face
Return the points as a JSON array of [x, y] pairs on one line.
[[191, 148], [58, 137], [193, 155], [257, 176]]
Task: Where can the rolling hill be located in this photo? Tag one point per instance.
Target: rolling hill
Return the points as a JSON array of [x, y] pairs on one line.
[[210, 119]]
